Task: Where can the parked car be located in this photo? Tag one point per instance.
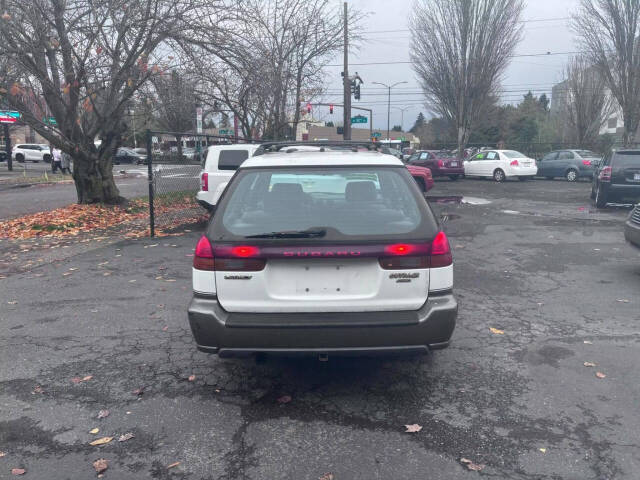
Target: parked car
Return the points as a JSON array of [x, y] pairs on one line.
[[31, 152], [441, 164], [422, 176], [570, 164], [617, 178], [3, 153], [500, 165], [220, 164], [128, 155], [321, 253], [632, 227]]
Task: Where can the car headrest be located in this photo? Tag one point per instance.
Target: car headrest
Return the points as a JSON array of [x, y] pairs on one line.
[[360, 192]]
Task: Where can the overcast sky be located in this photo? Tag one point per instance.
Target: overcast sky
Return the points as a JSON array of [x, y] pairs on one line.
[[387, 39]]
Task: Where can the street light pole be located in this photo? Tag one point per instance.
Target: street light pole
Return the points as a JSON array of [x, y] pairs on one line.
[[389, 107], [402, 110]]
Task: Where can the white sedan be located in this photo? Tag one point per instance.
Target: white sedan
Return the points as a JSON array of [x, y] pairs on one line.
[[500, 165]]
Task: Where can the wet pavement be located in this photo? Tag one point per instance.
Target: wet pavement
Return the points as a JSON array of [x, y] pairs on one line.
[[533, 260]]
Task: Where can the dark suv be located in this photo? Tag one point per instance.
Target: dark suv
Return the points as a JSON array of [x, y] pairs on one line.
[[441, 164], [570, 164], [617, 178]]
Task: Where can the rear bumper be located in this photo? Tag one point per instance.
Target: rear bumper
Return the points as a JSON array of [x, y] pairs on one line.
[[218, 331], [632, 233], [631, 192], [522, 171], [446, 171]]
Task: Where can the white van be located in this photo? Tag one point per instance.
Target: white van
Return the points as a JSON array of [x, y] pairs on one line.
[[221, 163]]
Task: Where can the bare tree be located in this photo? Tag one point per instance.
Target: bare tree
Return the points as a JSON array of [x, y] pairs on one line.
[[587, 103], [81, 62], [274, 58], [460, 48], [609, 32]]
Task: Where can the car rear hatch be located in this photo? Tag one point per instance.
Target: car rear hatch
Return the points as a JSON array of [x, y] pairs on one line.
[[626, 168], [323, 240]]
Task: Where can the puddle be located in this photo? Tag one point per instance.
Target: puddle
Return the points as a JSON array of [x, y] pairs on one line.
[[459, 199], [475, 201]]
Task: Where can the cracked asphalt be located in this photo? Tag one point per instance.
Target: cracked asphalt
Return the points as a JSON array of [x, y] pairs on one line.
[[532, 259]]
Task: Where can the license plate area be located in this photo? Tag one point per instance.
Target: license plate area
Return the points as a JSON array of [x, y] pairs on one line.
[[636, 177], [322, 277], [453, 164]]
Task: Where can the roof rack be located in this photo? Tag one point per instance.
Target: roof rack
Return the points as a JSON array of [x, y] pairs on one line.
[[267, 147]]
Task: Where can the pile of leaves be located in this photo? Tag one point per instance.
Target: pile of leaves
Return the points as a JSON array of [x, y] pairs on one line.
[[74, 220]]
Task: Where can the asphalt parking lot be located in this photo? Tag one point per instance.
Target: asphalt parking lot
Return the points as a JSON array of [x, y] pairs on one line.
[[534, 261]]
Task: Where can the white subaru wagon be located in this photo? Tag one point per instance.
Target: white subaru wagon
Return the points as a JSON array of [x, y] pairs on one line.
[[322, 253]]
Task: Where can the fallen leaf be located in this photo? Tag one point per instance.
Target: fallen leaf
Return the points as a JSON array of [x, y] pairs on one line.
[[496, 331], [66, 274], [132, 281], [100, 465], [589, 364], [165, 328], [93, 431], [101, 441], [600, 375], [18, 471], [284, 399], [138, 391], [106, 274], [76, 380], [192, 378], [103, 413], [588, 342], [125, 437], [326, 476], [174, 464], [476, 467], [2, 454], [12, 302], [543, 450], [36, 390], [87, 378], [622, 300], [415, 428]]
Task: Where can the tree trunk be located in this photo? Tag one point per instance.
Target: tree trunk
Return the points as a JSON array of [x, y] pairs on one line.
[[462, 142], [94, 181]]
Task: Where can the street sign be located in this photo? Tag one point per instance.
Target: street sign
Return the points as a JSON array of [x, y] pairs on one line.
[[376, 134], [359, 119], [225, 132], [49, 121], [9, 116]]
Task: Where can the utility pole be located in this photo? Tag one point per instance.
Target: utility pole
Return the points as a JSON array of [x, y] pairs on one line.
[[346, 80]]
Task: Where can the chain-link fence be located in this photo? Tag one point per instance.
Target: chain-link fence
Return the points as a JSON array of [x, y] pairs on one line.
[[175, 161]]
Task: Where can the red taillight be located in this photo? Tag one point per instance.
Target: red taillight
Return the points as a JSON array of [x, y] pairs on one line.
[[404, 256], [605, 174], [204, 182], [514, 163], [441, 163], [441, 251], [586, 162], [244, 251], [399, 249], [203, 257]]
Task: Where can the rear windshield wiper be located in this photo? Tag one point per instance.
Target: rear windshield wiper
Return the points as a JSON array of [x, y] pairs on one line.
[[310, 233]]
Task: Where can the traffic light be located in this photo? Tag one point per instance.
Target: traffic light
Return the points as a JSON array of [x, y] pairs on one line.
[[356, 93], [353, 87], [331, 109], [308, 107]]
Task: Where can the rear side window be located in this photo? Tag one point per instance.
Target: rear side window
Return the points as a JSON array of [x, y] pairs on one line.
[[626, 160], [231, 159], [348, 203]]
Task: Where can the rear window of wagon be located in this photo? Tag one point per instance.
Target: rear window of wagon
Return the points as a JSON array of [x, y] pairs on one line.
[[349, 203]]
